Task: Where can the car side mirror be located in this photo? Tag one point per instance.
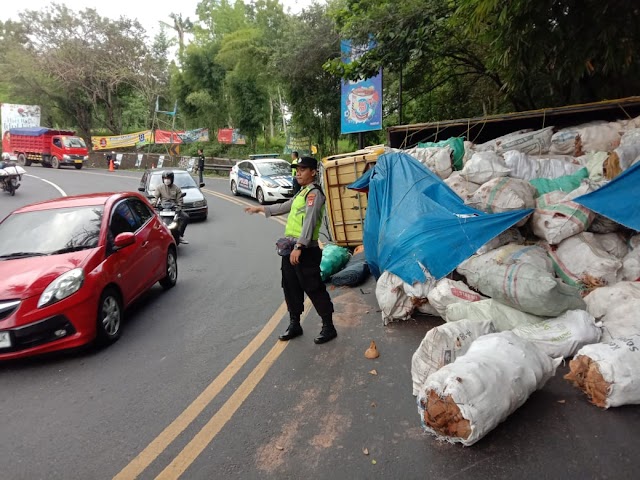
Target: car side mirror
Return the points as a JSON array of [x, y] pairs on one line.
[[201, 184], [253, 173], [141, 189], [183, 194], [124, 240]]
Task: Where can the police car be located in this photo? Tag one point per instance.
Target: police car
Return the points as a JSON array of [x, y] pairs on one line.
[[263, 177]]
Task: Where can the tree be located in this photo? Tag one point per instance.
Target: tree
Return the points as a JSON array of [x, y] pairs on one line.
[[312, 92]]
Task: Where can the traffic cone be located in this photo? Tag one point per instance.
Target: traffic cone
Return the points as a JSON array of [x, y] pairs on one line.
[[111, 169]]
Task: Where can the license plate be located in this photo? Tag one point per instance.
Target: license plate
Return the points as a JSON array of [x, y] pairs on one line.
[[78, 161], [5, 340]]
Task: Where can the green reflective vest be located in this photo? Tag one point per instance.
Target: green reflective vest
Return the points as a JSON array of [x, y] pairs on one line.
[[297, 213]]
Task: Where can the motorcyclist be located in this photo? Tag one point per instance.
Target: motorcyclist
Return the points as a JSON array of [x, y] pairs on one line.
[[168, 190]]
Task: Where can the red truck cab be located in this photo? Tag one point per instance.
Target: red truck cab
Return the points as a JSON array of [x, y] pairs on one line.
[[51, 148]]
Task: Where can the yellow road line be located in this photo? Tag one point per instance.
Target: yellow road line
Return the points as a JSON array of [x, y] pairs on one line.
[[240, 202], [206, 435], [171, 432]]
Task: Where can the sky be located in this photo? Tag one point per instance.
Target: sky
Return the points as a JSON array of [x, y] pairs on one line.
[[148, 12]]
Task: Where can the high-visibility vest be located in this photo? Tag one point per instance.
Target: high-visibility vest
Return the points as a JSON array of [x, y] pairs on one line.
[[297, 213]]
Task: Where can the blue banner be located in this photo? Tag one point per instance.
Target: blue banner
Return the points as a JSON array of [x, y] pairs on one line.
[[361, 101]]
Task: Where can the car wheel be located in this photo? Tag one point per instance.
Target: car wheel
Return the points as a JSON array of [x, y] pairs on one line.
[[55, 163], [234, 188], [171, 270], [260, 196], [109, 322], [78, 166]]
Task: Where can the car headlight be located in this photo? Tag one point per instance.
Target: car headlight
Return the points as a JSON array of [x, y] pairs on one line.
[[199, 203], [63, 286], [270, 184]]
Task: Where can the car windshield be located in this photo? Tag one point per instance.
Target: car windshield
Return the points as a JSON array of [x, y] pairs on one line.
[[48, 232], [271, 169], [73, 142], [182, 179]]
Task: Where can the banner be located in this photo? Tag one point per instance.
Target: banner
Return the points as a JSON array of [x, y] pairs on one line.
[[361, 101], [19, 116], [139, 160], [129, 140], [302, 145], [182, 136], [231, 136]]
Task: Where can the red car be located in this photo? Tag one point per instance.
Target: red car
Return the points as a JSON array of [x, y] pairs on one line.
[[69, 268]]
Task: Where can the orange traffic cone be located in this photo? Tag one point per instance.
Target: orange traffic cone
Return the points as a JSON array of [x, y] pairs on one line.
[[111, 169]]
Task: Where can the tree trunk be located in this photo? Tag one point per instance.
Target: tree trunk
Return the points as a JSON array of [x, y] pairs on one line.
[[271, 129], [282, 112]]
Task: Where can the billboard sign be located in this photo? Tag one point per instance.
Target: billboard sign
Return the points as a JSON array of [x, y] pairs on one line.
[[361, 100]]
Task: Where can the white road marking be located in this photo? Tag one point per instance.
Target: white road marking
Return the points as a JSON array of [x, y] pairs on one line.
[[62, 192]]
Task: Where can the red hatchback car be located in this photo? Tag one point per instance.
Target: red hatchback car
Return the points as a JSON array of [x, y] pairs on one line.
[[69, 268]]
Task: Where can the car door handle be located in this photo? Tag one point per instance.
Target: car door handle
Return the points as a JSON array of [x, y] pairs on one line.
[[146, 242]]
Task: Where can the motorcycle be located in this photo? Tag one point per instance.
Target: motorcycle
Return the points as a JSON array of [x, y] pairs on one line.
[[10, 176], [168, 212]]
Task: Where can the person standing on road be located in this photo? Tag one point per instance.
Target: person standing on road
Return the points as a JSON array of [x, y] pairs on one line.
[[301, 269], [201, 167], [294, 161]]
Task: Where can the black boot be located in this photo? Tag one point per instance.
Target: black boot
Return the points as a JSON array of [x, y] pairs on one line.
[[293, 330], [327, 333]]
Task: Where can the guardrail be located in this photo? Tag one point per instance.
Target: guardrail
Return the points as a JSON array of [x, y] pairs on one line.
[[217, 167]]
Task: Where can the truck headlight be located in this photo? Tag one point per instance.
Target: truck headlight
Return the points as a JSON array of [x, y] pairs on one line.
[[66, 157], [85, 158], [66, 284]]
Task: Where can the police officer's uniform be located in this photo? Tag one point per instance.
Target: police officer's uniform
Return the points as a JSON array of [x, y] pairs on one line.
[[305, 210]]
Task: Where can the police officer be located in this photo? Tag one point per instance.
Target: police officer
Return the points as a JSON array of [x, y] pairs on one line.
[[201, 167], [168, 190], [301, 270], [294, 161]]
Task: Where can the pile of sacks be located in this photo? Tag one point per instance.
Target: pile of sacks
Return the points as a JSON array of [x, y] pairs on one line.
[[564, 283]]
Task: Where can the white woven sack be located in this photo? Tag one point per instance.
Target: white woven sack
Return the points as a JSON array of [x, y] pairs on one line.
[[557, 217], [538, 142], [562, 336], [565, 142], [447, 292], [631, 262], [502, 316], [437, 159], [463, 188], [529, 167], [621, 320], [618, 362], [478, 382], [392, 299], [503, 195], [524, 286], [483, 166], [511, 236], [442, 345], [579, 260], [601, 300]]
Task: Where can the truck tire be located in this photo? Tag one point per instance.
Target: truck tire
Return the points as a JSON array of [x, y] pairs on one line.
[[55, 163], [23, 160], [78, 166]]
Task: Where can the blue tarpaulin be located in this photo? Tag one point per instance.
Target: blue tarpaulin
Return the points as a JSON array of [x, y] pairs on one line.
[[29, 131], [618, 200], [414, 218]]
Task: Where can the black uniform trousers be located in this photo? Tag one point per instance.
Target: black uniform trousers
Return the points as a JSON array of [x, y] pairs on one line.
[[305, 278]]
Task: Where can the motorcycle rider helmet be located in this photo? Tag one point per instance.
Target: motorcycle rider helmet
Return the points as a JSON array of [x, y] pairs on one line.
[[168, 175]]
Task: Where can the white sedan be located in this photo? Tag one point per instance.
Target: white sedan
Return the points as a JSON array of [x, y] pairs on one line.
[[266, 180]]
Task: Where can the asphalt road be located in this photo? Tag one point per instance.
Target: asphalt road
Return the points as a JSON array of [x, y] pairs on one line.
[[198, 387]]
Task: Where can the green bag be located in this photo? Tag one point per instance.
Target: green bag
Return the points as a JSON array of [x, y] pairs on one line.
[[456, 144], [566, 183], [334, 258]]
